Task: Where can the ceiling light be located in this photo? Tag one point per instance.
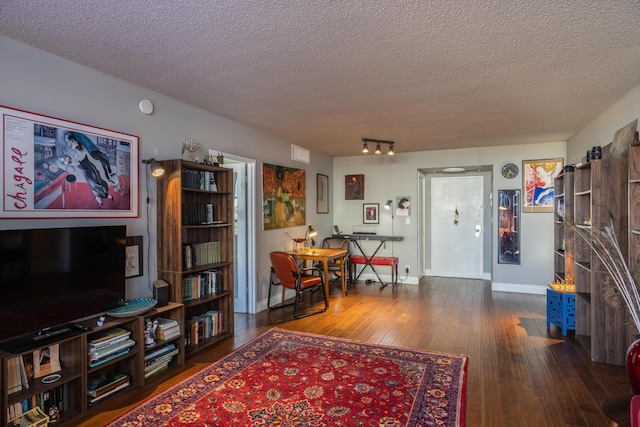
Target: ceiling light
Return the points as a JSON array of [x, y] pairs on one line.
[[379, 142], [453, 170]]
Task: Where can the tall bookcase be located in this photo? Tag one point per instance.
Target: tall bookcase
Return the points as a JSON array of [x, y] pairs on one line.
[[195, 247], [600, 198], [634, 220], [563, 252]]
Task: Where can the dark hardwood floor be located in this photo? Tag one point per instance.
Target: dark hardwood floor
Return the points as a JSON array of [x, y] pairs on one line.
[[519, 374]]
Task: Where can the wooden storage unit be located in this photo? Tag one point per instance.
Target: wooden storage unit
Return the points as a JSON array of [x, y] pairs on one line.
[[172, 311], [127, 363], [180, 225], [72, 355], [634, 221], [563, 252], [600, 198]]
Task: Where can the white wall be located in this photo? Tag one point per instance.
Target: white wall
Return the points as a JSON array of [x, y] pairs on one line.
[[602, 129], [35, 81], [389, 176]]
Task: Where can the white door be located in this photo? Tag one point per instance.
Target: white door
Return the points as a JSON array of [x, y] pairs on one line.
[[456, 224], [244, 236]]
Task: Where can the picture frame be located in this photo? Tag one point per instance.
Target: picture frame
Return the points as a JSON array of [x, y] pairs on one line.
[[322, 194], [370, 213], [133, 262], [537, 181], [354, 187], [284, 195], [54, 168], [46, 360]]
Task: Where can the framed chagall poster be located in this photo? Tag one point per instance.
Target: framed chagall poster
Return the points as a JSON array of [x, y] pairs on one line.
[[52, 168]]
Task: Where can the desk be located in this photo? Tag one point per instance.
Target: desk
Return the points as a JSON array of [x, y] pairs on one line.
[[356, 238], [324, 256]]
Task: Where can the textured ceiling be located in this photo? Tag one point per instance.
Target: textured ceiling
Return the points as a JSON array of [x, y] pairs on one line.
[[324, 74]]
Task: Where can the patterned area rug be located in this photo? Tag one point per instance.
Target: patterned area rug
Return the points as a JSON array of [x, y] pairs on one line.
[[285, 378]]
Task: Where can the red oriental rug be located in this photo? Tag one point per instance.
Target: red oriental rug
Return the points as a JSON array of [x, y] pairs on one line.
[[285, 378]]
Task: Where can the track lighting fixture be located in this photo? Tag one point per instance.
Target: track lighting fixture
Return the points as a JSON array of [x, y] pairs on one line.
[[378, 150]]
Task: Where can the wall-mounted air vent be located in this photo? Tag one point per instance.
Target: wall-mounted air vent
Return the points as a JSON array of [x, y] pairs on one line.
[[300, 154]]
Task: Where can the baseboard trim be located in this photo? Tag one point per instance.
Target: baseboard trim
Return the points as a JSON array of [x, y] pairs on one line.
[[519, 288]]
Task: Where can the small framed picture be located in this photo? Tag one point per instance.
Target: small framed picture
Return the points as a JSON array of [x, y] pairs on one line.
[[370, 212], [133, 263]]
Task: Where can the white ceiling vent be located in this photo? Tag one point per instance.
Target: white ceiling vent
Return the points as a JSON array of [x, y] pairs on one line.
[[300, 154]]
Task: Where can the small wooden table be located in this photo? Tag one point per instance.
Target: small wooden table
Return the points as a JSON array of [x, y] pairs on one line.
[[324, 256]]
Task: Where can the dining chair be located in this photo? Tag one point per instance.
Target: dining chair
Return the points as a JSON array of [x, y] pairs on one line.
[[285, 272]]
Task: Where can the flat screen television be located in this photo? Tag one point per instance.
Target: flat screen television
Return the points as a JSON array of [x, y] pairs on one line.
[[54, 276]]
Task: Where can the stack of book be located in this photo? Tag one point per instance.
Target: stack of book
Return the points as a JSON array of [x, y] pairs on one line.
[[167, 329], [58, 397], [203, 327], [108, 344], [158, 360], [106, 384]]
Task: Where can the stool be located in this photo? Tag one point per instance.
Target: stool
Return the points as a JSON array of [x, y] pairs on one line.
[[389, 261]]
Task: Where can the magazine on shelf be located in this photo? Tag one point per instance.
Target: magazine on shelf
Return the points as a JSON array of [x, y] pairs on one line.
[[96, 354], [94, 400], [106, 382]]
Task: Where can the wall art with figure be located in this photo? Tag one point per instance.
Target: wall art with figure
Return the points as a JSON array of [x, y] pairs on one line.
[[283, 197], [538, 176], [58, 169], [354, 187]]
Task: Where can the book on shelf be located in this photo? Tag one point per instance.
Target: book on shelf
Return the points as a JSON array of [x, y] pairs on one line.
[[16, 375], [160, 351], [107, 336], [151, 365], [168, 334], [57, 397], [157, 370], [93, 400], [46, 360], [102, 352], [164, 323], [106, 382]]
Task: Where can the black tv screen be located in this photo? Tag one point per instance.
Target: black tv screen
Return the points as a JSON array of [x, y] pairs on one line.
[[53, 276]]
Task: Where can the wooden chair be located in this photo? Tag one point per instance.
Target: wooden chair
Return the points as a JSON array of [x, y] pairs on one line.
[[334, 267], [285, 272]]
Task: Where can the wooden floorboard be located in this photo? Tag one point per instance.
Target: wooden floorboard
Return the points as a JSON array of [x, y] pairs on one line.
[[519, 374]]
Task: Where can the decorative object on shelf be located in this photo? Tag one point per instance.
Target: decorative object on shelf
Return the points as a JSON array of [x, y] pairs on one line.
[[150, 332], [537, 180], [90, 172], [378, 150], [370, 213], [283, 196], [510, 171], [133, 307], [604, 243], [133, 261], [191, 146], [621, 140]]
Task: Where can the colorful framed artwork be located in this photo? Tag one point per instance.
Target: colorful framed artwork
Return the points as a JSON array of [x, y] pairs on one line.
[[370, 213], [133, 262], [322, 194], [538, 176], [354, 187], [52, 168], [283, 197]]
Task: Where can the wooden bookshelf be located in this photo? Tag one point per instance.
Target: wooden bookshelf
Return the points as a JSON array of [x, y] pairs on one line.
[[185, 194]]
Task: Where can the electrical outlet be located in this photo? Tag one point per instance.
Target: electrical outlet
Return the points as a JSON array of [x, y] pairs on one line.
[[407, 268]]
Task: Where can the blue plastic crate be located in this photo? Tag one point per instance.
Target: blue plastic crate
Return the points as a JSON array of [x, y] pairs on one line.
[[561, 310]]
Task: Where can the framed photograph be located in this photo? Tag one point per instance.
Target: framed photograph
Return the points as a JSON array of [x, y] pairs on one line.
[[537, 177], [46, 361], [133, 263], [370, 212], [322, 187], [354, 187], [52, 168]]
